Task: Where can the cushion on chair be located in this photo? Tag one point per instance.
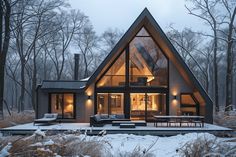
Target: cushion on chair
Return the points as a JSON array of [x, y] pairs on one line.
[[120, 116], [104, 116], [97, 117], [112, 116], [48, 115]]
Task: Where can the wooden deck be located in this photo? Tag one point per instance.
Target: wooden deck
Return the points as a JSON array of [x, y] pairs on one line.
[[29, 128]]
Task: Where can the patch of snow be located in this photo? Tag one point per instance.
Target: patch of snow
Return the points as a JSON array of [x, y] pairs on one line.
[[38, 144], [162, 146], [85, 79], [38, 132], [44, 150], [4, 152], [49, 143], [82, 87], [102, 133], [56, 155]]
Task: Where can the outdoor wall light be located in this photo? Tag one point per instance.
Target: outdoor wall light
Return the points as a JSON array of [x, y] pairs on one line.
[[175, 97], [89, 97]]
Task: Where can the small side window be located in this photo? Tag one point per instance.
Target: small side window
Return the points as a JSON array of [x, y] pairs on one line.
[[188, 104]]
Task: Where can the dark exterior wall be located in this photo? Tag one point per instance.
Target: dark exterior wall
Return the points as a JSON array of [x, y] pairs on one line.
[[80, 107], [42, 105], [89, 103], [177, 85]]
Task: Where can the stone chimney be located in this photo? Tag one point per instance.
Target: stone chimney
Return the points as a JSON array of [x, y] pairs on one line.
[[76, 68]]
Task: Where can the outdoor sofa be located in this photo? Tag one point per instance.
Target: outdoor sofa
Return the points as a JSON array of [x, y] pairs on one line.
[[99, 120], [48, 118]]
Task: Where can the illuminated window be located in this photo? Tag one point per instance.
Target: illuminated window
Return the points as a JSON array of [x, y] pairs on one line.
[[147, 105], [188, 104], [148, 65], [63, 104], [115, 76], [110, 103]]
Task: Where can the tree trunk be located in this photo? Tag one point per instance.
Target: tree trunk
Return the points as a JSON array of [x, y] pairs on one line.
[[4, 48], [34, 80], [22, 96], [2, 70], [216, 92], [86, 66], [229, 74]]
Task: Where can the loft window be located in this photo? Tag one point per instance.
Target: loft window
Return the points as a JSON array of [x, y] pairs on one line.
[[115, 76], [148, 66]]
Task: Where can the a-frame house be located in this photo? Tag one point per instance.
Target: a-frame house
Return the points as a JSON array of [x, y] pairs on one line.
[[142, 76]]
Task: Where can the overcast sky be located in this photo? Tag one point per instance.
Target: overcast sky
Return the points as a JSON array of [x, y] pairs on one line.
[[121, 13]]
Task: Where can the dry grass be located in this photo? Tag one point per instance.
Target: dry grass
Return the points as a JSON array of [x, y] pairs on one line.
[[63, 144], [137, 152], [225, 119], [75, 144], [17, 118], [206, 147]]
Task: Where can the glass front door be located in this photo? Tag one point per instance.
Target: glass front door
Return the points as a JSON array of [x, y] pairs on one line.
[[143, 106], [137, 106], [110, 103]]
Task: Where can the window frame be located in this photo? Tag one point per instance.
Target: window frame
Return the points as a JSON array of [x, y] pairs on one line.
[[74, 103], [196, 105]]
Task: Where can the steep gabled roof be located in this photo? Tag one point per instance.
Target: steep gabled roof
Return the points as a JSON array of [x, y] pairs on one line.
[[146, 20]]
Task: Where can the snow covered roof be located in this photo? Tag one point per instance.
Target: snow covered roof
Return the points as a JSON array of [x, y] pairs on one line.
[[85, 79], [59, 84]]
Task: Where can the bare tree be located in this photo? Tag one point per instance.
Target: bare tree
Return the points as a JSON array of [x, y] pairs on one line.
[[109, 38], [69, 25], [20, 26], [206, 10], [86, 41], [231, 12], [189, 45], [43, 14], [5, 14]]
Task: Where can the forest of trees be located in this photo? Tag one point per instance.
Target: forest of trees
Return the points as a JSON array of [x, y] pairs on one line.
[[38, 39]]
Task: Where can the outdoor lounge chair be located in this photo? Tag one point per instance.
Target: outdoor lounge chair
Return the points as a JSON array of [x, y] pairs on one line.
[[100, 120], [48, 118]]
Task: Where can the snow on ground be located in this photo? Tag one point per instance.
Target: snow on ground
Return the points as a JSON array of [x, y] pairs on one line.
[[122, 143], [163, 146], [76, 126]]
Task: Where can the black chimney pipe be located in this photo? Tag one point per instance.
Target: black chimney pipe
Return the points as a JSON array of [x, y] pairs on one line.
[[76, 68]]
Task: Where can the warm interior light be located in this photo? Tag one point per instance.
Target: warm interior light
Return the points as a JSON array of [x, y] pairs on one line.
[[69, 108], [138, 102], [150, 79]]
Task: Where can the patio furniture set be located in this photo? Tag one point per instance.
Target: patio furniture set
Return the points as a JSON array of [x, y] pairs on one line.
[[99, 120], [179, 120], [115, 120]]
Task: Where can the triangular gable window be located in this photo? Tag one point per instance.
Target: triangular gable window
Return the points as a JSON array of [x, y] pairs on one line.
[[143, 32], [115, 76], [148, 66]]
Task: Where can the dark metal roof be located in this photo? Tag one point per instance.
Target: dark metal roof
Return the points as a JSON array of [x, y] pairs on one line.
[[59, 84]]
